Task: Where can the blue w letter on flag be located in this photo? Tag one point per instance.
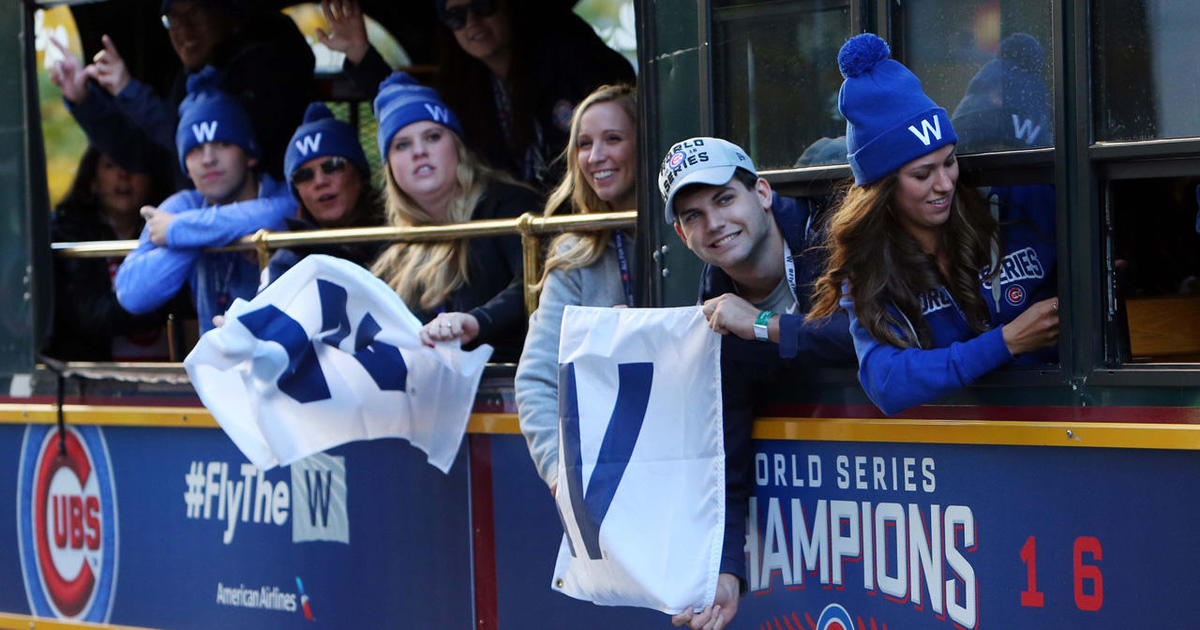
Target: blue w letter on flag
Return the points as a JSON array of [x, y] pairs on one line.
[[633, 398], [303, 379]]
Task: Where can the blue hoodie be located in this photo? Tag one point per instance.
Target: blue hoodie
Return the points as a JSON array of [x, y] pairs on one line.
[[899, 378], [151, 275]]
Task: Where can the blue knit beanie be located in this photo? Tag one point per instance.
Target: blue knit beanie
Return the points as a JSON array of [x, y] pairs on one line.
[[402, 101], [889, 119], [320, 135], [1006, 104], [207, 114]]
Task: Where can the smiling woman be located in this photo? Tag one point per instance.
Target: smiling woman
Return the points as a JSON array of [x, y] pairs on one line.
[[916, 258]]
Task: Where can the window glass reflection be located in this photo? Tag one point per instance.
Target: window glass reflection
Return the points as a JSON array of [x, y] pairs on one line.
[[776, 79], [1146, 82], [988, 63]]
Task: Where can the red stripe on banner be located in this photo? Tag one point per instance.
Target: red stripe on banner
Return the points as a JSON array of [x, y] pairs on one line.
[[1148, 415], [778, 626], [788, 623], [860, 624], [811, 623], [800, 624], [483, 532]]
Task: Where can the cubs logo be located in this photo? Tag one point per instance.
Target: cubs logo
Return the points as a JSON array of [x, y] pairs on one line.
[[834, 617], [676, 159], [67, 523], [1015, 295]]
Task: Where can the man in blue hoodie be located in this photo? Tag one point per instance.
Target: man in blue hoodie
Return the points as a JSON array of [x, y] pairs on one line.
[[217, 150], [757, 246]]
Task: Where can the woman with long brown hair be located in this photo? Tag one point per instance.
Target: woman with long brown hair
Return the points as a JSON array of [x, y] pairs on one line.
[[938, 292], [470, 291], [584, 268]]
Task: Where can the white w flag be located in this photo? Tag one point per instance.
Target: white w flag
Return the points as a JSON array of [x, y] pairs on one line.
[[328, 354], [641, 483]]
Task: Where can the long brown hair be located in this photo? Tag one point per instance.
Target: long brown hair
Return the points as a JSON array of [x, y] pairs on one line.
[[425, 274], [580, 249], [883, 264]]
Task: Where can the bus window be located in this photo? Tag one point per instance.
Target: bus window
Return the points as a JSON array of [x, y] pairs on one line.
[[775, 81], [1155, 266], [1145, 77], [989, 64]]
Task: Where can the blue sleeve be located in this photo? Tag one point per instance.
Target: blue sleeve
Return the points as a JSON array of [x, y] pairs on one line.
[[216, 226], [142, 106], [896, 379], [110, 130], [824, 342], [151, 275]]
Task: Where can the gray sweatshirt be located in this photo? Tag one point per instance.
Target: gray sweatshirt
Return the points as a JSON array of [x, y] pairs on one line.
[[598, 284]]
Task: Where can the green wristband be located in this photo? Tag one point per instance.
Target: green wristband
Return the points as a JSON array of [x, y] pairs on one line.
[[762, 325]]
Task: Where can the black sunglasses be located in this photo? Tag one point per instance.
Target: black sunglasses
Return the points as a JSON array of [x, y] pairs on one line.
[[456, 18], [329, 167]]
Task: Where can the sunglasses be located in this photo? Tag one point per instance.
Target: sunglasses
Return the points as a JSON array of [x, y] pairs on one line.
[[456, 18], [329, 167]]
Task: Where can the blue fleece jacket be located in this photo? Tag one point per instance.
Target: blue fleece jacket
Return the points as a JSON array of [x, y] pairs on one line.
[[151, 275], [899, 378]]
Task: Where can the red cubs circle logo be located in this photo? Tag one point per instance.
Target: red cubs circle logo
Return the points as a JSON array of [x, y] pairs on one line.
[[68, 522], [1015, 295], [676, 159]]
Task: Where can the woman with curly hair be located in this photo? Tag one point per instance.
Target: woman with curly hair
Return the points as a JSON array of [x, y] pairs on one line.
[[938, 291]]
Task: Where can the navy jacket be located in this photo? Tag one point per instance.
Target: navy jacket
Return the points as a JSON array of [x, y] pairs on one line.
[[750, 368]]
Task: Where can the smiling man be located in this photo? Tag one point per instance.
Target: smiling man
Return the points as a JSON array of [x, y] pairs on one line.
[[217, 150], [760, 264]]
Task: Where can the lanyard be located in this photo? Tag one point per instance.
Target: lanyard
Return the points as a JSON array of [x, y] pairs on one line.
[[789, 269], [623, 264]]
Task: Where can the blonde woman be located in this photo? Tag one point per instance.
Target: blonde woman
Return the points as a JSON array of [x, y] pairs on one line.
[[586, 268], [466, 290]]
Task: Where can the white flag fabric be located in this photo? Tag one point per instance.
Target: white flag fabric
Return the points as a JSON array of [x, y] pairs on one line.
[[641, 483], [328, 354]]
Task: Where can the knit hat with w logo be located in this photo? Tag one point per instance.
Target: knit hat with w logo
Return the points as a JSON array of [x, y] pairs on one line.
[[889, 119]]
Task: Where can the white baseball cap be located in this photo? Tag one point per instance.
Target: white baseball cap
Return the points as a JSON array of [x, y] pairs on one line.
[[701, 160]]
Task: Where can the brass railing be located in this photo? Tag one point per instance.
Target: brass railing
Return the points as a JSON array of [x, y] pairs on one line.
[[529, 226]]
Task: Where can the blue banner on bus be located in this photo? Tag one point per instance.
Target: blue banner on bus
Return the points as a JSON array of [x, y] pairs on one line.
[[931, 536], [173, 528]]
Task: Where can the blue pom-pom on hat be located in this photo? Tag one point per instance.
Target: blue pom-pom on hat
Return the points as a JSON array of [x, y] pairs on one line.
[[209, 114], [889, 119], [321, 135], [861, 53], [402, 101]]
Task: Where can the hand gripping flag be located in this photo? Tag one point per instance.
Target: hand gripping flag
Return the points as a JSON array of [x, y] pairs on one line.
[[641, 461], [328, 354]]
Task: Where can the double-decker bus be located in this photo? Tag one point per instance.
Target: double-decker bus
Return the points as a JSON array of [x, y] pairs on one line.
[[1061, 496]]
